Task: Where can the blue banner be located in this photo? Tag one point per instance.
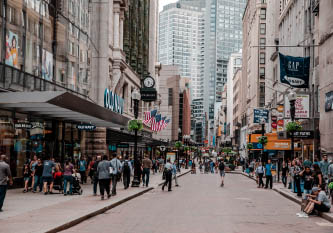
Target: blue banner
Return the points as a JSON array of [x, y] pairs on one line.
[[294, 71]]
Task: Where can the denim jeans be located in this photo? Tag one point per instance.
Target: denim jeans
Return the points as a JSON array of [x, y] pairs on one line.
[[66, 180], [3, 190], [114, 184], [95, 183], [145, 176], [39, 183], [284, 181]]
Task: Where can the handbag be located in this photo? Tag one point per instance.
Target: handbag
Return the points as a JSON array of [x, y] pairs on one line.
[[309, 208]]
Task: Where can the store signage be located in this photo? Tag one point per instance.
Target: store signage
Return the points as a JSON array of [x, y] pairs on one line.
[[122, 146], [280, 108], [260, 113], [302, 105], [112, 148], [23, 126], [302, 134], [86, 127], [162, 148], [113, 102], [280, 123], [274, 125], [329, 101], [148, 94], [274, 118], [38, 125], [294, 71]]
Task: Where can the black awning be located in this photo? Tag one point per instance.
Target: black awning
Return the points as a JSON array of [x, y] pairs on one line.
[[63, 106]]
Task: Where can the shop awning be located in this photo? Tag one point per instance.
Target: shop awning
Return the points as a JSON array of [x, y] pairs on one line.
[[61, 105]]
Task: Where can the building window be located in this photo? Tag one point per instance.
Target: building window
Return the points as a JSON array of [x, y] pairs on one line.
[[262, 28], [170, 96], [262, 43], [262, 72], [262, 58], [263, 13]]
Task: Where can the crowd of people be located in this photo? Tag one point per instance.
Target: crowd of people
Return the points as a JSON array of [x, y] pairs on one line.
[[47, 175], [311, 181]]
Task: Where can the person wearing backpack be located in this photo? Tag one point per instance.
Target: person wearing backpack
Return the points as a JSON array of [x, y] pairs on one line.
[[126, 169], [115, 172], [222, 173]]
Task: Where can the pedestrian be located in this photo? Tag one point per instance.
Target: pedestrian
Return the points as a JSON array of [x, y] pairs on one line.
[[115, 173], [251, 167], [320, 200], [68, 176], [91, 170], [318, 176], [168, 175], [126, 170], [268, 174], [5, 179], [212, 165], [324, 164], [38, 173], [26, 177], [146, 166], [48, 167], [307, 176], [95, 174], [32, 166], [222, 172], [82, 169], [174, 172], [297, 179], [103, 170], [285, 170], [260, 172]]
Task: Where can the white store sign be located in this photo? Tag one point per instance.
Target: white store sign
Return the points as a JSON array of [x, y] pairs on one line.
[[302, 105]]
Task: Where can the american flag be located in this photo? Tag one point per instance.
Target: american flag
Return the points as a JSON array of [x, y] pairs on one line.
[[148, 116], [155, 122], [165, 124], [161, 123]]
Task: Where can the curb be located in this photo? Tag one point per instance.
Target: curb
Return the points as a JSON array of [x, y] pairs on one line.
[[291, 198], [103, 210]]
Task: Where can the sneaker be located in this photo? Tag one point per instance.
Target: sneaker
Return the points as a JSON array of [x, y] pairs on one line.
[[33, 191], [102, 198], [45, 193], [25, 191], [162, 187], [65, 194], [177, 185], [1, 210], [109, 196], [95, 194]]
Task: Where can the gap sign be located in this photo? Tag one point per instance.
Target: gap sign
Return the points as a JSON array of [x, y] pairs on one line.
[[113, 102]]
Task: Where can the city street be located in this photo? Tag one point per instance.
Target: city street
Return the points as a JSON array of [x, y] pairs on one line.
[[200, 205]]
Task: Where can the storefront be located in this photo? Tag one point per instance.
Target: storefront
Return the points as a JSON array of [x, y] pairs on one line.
[[46, 124]]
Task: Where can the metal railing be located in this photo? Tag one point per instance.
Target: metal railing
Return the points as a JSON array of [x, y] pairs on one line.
[[16, 80]]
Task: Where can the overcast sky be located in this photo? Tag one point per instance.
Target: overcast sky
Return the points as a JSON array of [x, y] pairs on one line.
[[165, 2]]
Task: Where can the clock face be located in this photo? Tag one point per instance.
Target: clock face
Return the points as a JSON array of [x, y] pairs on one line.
[[149, 82]]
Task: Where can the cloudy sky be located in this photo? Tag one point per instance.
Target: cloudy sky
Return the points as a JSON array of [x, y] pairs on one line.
[[165, 2]]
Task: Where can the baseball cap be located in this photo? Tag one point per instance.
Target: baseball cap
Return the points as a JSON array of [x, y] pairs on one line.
[[315, 189]]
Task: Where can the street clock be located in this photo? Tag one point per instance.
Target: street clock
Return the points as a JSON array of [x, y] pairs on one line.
[[149, 82]]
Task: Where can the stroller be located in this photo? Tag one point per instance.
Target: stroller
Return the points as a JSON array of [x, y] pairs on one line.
[[58, 183], [76, 189]]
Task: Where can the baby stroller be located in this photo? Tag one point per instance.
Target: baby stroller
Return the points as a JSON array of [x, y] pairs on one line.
[[76, 189], [58, 183]]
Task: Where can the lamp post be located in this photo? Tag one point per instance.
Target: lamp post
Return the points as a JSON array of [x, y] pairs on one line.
[[262, 122], [186, 139], [292, 99], [136, 181]]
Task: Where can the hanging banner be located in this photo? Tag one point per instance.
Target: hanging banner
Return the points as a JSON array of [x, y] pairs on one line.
[[302, 105], [329, 101], [294, 71]]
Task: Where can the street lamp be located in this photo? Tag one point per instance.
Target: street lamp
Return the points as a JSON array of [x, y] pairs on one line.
[[292, 99], [136, 97], [186, 139], [262, 122]]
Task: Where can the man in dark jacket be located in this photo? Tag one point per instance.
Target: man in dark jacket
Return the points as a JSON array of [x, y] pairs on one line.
[[95, 174], [126, 169]]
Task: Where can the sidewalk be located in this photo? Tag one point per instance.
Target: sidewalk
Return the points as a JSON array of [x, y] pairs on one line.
[[279, 187], [35, 212]]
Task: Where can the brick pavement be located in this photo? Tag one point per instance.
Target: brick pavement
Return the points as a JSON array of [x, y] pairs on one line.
[[29, 212]]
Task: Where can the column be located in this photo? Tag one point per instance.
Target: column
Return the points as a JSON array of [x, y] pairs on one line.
[[121, 31], [116, 31]]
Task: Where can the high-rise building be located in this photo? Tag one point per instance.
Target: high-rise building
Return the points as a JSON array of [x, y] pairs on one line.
[[181, 41], [223, 36]]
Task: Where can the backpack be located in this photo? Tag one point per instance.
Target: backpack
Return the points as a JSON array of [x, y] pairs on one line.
[[221, 166], [126, 167]]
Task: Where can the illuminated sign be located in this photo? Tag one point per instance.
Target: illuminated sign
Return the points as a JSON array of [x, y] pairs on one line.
[[113, 102]]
